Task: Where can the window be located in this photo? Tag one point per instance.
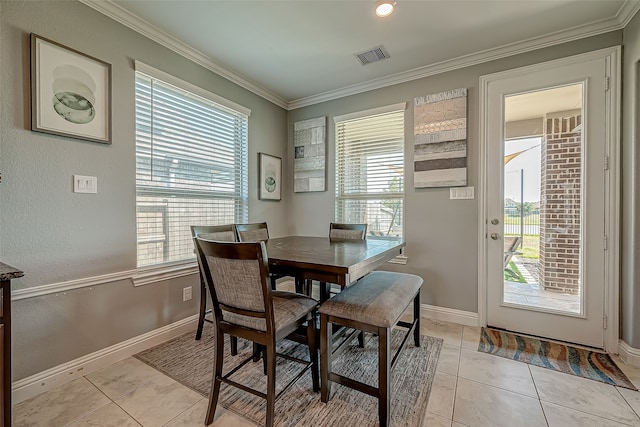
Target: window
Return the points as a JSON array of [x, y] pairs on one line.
[[370, 170], [191, 165]]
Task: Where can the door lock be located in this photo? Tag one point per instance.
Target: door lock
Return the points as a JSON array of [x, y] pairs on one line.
[[495, 221], [495, 236]]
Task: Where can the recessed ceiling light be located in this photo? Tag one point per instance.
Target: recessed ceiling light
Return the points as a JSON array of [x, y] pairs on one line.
[[384, 8]]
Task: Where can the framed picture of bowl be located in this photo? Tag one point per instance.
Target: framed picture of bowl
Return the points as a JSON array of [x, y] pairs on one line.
[[270, 175], [70, 92]]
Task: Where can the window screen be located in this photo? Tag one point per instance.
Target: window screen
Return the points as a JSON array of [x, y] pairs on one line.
[[191, 168]]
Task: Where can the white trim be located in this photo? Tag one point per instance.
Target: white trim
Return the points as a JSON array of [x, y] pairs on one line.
[[185, 85], [612, 282], [612, 209], [466, 318], [123, 16], [630, 355], [165, 272], [53, 288], [46, 380], [371, 112]]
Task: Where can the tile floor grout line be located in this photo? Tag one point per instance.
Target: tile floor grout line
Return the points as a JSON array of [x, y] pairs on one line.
[[627, 402]]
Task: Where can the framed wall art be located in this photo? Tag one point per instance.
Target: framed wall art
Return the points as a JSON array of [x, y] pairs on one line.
[[70, 92], [440, 145], [270, 174], [309, 140]]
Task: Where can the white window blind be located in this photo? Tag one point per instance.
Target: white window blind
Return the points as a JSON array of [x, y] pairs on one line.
[[370, 171], [191, 168]]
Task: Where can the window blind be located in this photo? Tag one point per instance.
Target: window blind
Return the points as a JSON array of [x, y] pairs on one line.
[[191, 168], [370, 173]]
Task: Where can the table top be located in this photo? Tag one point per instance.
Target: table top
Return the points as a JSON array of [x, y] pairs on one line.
[[347, 259], [7, 272]]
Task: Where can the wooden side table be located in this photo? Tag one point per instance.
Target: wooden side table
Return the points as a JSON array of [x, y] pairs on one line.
[[6, 274]]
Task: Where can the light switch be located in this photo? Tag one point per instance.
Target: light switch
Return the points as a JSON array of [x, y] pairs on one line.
[[85, 184], [461, 193]]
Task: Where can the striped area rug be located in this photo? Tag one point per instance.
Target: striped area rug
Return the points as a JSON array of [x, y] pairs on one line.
[[560, 357], [190, 362]]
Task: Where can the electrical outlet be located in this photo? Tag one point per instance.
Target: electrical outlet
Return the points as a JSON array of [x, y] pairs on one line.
[[186, 293]]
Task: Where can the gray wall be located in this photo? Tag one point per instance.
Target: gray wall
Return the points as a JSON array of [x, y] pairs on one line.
[[630, 292], [441, 234], [55, 235]]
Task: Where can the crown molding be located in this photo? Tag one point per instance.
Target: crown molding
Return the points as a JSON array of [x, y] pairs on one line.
[[464, 61], [627, 12], [123, 16], [112, 10]]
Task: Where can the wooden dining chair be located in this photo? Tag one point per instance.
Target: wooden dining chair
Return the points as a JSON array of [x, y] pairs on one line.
[[244, 306], [256, 232], [226, 233], [341, 232]]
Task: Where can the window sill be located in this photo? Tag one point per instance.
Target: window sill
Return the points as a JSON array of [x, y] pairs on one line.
[[400, 259], [149, 275]]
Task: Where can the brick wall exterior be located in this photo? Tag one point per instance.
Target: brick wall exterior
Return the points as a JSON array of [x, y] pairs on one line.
[[560, 204]]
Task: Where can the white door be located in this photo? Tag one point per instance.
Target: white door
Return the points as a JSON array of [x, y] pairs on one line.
[[546, 199]]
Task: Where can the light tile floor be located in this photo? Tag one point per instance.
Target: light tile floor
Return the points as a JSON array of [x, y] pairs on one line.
[[469, 389]]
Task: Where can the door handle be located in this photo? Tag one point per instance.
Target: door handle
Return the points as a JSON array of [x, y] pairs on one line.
[[495, 236]]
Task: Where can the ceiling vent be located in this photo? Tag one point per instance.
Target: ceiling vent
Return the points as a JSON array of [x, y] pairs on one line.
[[372, 55]]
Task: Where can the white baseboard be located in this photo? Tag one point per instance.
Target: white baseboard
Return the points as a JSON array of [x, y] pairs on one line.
[[32, 386], [434, 312], [630, 355]]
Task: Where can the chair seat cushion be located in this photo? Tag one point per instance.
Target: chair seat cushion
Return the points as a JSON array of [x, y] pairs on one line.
[[378, 299], [288, 307]]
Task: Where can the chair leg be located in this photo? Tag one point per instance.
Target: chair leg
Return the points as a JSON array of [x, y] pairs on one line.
[[217, 374], [361, 339], [203, 309], [257, 352], [325, 291], [416, 317], [313, 350], [325, 357], [271, 383], [384, 376], [234, 345], [273, 283]]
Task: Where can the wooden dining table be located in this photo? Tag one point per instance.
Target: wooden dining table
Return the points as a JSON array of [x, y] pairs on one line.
[[329, 260]]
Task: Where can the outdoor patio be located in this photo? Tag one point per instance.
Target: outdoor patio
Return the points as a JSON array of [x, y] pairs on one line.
[[532, 294]]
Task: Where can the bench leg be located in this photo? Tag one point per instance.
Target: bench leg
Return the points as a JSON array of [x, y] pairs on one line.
[[326, 334], [384, 376], [416, 317]]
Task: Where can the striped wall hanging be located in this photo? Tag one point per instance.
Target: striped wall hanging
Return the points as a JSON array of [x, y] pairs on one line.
[[440, 139]]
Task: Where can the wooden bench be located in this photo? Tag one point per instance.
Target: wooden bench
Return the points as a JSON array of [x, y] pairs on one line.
[[373, 304]]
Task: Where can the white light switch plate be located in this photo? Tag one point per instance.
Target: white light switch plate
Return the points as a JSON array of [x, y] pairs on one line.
[[85, 184], [461, 193]]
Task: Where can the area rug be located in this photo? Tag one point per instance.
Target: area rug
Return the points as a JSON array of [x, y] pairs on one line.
[[190, 362], [577, 361]]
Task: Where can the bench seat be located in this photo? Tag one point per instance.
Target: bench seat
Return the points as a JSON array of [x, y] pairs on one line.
[[373, 304]]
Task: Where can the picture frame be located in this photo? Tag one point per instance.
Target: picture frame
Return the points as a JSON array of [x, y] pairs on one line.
[[270, 177], [70, 92]]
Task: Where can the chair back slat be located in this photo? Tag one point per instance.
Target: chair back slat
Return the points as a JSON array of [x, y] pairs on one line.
[[252, 232], [347, 231], [237, 283]]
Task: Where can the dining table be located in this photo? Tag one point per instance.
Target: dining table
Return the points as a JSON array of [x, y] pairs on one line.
[[328, 260]]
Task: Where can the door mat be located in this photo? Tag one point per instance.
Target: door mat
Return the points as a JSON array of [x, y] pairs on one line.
[[576, 361]]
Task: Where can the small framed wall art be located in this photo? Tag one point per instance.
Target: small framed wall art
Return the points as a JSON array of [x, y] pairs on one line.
[[70, 92], [270, 173]]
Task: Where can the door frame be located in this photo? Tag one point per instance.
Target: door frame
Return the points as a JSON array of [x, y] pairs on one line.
[[612, 184]]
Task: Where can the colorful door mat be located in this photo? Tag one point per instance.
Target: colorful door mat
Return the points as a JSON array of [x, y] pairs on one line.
[[560, 357]]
